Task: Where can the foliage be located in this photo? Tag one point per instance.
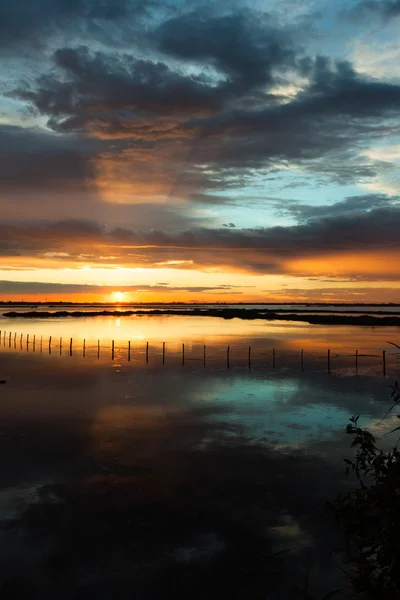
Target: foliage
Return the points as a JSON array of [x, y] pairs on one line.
[[370, 515]]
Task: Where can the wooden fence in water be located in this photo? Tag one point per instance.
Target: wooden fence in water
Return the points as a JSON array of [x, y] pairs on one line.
[[34, 343]]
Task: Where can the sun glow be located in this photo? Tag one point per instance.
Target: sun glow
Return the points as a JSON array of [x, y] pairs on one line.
[[118, 296]]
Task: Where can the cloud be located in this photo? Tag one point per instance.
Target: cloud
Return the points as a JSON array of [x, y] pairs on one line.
[[32, 159], [336, 294], [331, 246], [352, 206], [93, 90], [34, 287], [180, 134], [386, 9], [170, 123], [245, 48], [35, 24]]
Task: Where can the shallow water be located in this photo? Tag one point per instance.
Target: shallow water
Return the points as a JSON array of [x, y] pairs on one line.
[[287, 338], [134, 478]]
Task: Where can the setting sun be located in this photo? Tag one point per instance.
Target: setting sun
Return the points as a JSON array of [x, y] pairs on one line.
[[118, 296]]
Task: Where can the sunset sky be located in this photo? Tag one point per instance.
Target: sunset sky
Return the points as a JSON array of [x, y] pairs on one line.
[[176, 150]]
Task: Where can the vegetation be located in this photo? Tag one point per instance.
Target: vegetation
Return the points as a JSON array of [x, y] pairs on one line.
[[223, 313], [370, 515]]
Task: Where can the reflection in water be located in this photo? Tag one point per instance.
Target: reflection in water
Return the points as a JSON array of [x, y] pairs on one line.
[[122, 480], [199, 341]]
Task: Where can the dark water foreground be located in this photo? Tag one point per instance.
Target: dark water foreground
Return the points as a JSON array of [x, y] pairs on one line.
[[147, 483]]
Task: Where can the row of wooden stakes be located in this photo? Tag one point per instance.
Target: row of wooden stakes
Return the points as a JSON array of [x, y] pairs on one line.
[[228, 351]]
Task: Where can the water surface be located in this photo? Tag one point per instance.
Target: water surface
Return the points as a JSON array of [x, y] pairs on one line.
[[123, 478]]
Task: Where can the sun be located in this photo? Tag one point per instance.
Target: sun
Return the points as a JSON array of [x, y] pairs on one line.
[[118, 296]]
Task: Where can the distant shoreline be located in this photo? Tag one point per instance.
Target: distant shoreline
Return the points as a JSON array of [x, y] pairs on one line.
[[32, 303], [357, 318]]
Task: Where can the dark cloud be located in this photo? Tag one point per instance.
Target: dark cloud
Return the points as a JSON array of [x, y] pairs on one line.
[[34, 24], [112, 94], [245, 48], [335, 91], [350, 206], [31, 159], [163, 111], [34, 287], [260, 250]]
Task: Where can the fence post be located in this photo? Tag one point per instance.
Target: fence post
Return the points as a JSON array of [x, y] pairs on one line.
[[329, 360], [163, 353], [273, 358], [204, 356], [50, 345], [9, 340], [98, 348], [15, 339], [84, 347], [384, 362], [147, 352], [302, 360], [183, 354], [227, 356], [27, 341], [70, 347], [112, 350], [34, 342], [129, 350]]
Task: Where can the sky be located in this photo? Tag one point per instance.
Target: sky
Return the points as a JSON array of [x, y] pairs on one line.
[[231, 151]]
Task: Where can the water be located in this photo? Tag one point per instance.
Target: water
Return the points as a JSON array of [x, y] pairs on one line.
[[132, 478]]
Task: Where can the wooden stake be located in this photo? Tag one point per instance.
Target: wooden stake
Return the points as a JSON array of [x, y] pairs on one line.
[[183, 354], [273, 358], [60, 346], [20, 339], [98, 348], [147, 352], [9, 339], [129, 350], [204, 355], [34, 342], [70, 347], [15, 338], [329, 360], [302, 360], [227, 356], [384, 362], [112, 350], [50, 345], [84, 348], [163, 353]]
